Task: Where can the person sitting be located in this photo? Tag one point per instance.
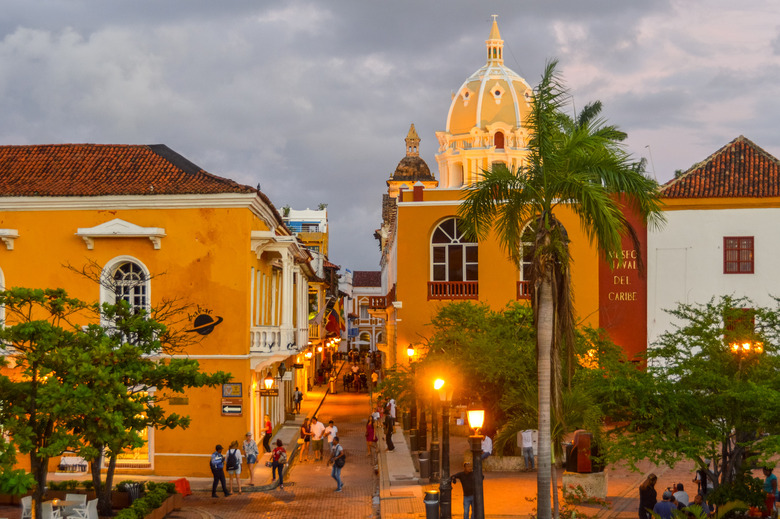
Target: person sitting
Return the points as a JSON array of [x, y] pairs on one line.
[[681, 496], [666, 507]]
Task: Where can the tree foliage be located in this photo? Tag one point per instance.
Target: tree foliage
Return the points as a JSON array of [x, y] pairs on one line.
[[699, 399], [88, 389]]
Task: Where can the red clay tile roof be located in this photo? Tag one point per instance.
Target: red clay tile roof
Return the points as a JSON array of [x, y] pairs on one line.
[[328, 265], [105, 169], [366, 278], [738, 169]]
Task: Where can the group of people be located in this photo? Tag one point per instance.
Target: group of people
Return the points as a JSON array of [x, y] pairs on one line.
[[232, 462], [675, 496]]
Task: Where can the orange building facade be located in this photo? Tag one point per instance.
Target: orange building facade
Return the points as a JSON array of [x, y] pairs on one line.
[[159, 228], [427, 262]]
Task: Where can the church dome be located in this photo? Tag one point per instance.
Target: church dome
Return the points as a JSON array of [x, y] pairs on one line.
[[412, 167], [493, 94]]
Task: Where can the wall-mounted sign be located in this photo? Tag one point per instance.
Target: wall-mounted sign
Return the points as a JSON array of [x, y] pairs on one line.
[[204, 324], [232, 390], [269, 392], [232, 406], [298, 366]]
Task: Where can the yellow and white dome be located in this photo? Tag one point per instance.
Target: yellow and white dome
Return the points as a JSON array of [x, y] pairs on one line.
[[485, 123]]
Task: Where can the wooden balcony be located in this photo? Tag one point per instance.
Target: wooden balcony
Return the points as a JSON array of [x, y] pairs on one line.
[[453, 290], [523, 290], [381, 302]]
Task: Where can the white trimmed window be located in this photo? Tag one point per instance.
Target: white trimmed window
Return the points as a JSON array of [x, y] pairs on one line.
[[453, 257], [126, 279]]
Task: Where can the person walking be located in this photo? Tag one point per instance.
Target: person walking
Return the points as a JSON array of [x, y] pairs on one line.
[[297, 399], [648, 496], [331, 431], [268, 430], [467, 480], [371, 438], [251, 452], [306, 437], [217, 470], [279, 458], [337, 457], [233, 465]]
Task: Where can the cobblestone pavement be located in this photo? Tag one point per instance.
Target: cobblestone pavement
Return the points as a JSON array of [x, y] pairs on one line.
[[309, 488]]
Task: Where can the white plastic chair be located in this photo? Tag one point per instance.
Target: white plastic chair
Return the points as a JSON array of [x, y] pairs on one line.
[[78, 509], [27, 507], [88, 512], [48, 512]]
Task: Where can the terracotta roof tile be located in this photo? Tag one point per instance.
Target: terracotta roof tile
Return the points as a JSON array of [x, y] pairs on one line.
[[328, 265], [105, 169], [738, 169], [366, 278]]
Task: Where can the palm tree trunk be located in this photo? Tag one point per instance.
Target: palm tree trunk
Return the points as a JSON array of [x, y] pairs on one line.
[[544, 338]]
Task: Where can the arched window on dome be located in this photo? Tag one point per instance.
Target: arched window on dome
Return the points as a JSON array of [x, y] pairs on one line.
[[454, 263], [498, 140]]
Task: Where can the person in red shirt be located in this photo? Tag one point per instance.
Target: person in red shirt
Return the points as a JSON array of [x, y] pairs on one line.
[[279, 458], [268, 430]]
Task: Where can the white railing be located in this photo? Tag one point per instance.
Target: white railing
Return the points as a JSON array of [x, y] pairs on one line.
[[265, 339]]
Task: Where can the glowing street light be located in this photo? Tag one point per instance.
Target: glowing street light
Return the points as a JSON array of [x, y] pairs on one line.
[[476, 420]]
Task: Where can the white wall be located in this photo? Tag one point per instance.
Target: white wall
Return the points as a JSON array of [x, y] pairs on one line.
[[685, 260]]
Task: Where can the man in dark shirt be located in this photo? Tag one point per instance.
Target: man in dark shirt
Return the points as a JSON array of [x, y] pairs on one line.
[[467, 480]]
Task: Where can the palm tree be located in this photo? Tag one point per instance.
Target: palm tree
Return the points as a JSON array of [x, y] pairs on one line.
[[578, 164]]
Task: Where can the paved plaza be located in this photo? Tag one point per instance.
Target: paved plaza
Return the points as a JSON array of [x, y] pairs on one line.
[[387, 487]]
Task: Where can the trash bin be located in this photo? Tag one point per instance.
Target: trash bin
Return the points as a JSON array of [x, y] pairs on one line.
[[431, 501], [133, 491], [332, 386], [425, 466]]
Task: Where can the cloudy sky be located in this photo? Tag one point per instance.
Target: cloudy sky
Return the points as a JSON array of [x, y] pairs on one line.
[[312, 100]]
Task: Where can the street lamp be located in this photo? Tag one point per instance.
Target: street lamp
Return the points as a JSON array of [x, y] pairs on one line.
[[445, 484], [268, 381], [476, 419], [413, 442]]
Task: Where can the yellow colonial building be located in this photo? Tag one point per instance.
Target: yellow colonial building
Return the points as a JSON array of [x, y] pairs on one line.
[[426, 259], [157, 227]]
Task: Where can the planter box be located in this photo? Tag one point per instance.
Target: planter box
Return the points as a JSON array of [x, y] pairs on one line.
[[173, 502], [120, 499], [594, 484]]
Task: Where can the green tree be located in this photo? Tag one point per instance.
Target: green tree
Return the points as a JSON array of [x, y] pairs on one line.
[[40, 338], [86, 390], [120, 364], [700, 399], [578, 164]]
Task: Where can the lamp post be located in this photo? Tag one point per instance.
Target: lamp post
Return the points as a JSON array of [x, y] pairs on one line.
[[413, 406], [476, 419], [445, 484], [743, 349], [434, 443]]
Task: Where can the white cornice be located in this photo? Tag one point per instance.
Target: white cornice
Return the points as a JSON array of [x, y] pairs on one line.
[[92, 203], [8, 236], [118, 228]]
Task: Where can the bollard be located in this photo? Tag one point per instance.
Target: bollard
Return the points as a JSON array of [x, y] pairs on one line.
[[425, 465], [431, 501]]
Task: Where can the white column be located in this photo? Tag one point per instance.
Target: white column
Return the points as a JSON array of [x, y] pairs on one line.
[[287, 299]]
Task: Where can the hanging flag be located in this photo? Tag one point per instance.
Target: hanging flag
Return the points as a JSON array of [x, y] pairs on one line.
[[317, 319], [340, 314]]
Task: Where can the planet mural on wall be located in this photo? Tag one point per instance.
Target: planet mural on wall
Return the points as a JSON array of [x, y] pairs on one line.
[[204, 324]]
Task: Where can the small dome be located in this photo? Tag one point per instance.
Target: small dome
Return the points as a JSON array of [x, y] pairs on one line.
[[492, 94], [412, 168]]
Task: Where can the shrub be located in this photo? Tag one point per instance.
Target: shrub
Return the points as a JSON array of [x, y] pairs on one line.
[[141, 507], [70, 484], [127, 513], [88, 484], [54, 485], [744, 488]]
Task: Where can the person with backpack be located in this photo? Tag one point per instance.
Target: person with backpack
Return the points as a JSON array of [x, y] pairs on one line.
[[217, 464], [338, 458], [278, 460], [297, 399], [233, 465]]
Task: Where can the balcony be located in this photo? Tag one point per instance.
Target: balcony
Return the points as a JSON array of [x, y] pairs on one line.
[[523, 290], [457, 290], [381, 302], [314, 331], [265, 339]]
